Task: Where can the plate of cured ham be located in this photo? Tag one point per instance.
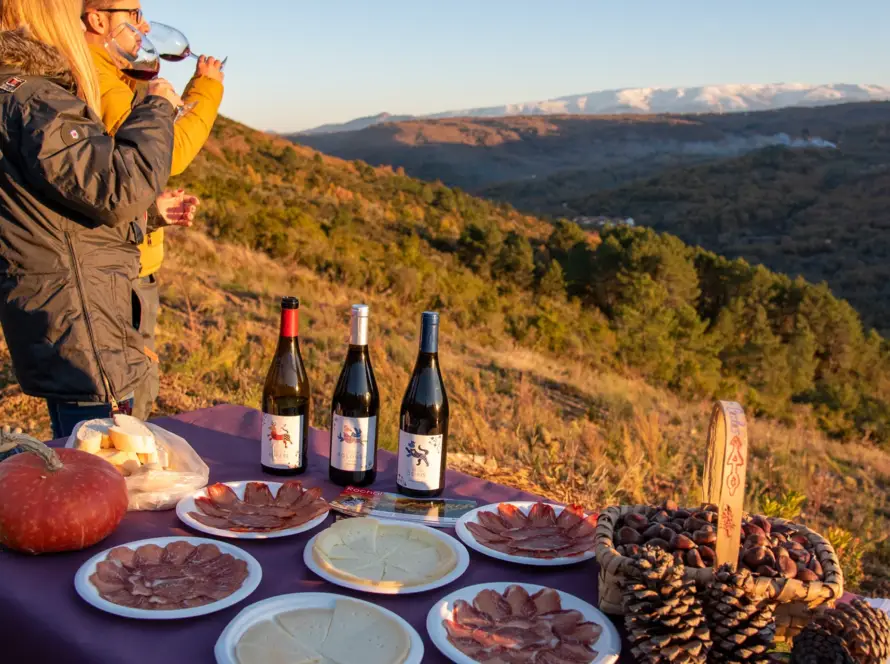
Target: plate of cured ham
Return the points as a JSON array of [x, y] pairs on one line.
[[254, 510], [167, 578], [521, 622], [530, 533]]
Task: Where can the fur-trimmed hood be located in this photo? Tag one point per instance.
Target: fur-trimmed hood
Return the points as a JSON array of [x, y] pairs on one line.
[[24, 55]]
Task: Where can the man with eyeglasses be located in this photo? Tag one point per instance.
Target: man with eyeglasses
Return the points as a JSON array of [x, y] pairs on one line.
[[101, 18]]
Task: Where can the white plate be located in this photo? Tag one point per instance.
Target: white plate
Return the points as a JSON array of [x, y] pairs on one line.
[[187, 504], [228, 640], [467, 537], [90, 593], [608, 646], [463, 562]]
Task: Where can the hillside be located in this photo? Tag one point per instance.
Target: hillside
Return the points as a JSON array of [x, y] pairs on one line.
[[579, 366], [824, 214], [527, 160]]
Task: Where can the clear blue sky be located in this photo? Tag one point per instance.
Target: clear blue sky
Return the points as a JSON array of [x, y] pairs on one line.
[[295, 64]]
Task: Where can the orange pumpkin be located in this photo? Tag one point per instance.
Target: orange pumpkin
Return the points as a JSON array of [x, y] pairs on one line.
[[58, 500]]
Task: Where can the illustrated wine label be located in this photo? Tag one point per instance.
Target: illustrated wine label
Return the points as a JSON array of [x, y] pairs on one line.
[[420, 461], [282, 440], [352, 443]]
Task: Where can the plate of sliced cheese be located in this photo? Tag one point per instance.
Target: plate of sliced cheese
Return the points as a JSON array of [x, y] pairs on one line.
[[160, 467], [388, 558], [309, 628]]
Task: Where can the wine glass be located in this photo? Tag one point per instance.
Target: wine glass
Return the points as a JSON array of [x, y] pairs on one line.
[[173, 45], [137, 57], [133, 53]]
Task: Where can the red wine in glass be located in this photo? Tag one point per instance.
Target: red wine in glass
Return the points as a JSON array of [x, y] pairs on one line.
[[141, 74]]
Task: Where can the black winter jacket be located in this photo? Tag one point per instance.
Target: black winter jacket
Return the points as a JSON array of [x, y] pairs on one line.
[[72, 200]]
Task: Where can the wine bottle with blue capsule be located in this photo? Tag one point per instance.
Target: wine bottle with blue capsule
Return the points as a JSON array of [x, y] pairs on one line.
[[423, 420]]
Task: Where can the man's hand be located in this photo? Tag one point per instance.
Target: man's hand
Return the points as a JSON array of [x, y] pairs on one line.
[[162, 88], [210, 67], [177, 208]]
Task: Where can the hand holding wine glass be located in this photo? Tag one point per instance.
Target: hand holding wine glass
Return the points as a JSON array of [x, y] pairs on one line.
[[177, 208], [161, 87]]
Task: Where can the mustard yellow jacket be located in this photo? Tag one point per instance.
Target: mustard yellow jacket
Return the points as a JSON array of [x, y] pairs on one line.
[[189, 135]]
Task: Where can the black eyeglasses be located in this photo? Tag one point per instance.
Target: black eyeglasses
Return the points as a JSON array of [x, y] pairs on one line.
[[135, 14]]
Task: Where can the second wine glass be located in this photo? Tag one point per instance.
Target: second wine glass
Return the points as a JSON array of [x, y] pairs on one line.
[[172, 44], [134, 53]]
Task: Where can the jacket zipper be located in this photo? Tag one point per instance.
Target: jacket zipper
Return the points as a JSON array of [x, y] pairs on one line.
[[86, 316]]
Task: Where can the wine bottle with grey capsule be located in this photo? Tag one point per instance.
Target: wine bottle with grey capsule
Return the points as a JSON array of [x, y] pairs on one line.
[[354, 410], [285, 432], [423, 420]]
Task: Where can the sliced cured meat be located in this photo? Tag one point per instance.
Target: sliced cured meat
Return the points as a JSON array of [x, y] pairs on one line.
[[586, 527], [468, 615], [222, 495], [547, 601], [492, 604], [571, 516], [483, 534], [520, 602], [260, 511], [492, 521], [458, 631], [123, 555], [586, 632], [176, 553], [289, 493], [213, 521], [503, 637], [574, 652], [468, 647], [551, 543], [563, 623], [542, 514], [513, 515], [258, 493], [522, 534], [180, 575], [148, 554], [203, 553]]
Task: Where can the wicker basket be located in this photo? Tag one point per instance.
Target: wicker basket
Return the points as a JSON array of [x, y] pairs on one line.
[[796, 599]]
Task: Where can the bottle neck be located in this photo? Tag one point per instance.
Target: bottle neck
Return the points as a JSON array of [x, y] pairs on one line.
[[358, 331], [429, 338], [290, 323]]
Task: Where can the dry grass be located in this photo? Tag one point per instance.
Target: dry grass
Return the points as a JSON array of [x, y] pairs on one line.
[[560, 430]]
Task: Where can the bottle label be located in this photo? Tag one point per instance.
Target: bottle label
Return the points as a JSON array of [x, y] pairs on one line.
[[290, 322], [420, 461], [282, 440], [353, 441]]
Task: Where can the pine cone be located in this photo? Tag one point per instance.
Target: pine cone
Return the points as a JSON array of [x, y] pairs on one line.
[[853, 632], [664, 617], [743, 628]]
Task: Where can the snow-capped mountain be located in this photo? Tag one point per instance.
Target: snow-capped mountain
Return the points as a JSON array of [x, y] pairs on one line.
[[703, 99]]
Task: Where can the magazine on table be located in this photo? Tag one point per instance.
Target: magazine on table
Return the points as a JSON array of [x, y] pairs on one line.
[[436, 512]]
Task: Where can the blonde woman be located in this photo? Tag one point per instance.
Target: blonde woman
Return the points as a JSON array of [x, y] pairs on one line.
[[73, 203]]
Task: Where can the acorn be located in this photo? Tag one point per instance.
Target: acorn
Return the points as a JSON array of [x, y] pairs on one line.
[[679, 559], [707, 517], [802, 557], [682, 542], [670, 505], [632, 550], [693, 523], [655, 530], [660, 543], [636, 521], [757, 556], [661, 517], [815, 566], [708, 555], [694, 559], [800, 539], [711, 507], [756, 539], [676, 527], [777, 539], [628, 535], [750, 529], [704, 537], [762, 522], [787, 566], [766, 570], [804, 574], [682, 514]]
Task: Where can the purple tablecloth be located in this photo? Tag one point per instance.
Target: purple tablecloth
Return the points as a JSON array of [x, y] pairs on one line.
[[42, 619]]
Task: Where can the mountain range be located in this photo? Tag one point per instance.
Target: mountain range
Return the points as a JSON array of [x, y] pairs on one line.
[[702, 99]]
